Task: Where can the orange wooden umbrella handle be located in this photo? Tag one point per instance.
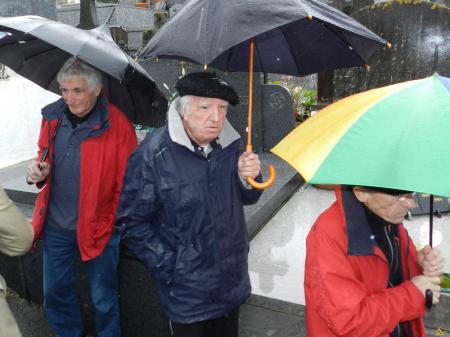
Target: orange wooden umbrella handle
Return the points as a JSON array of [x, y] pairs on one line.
[[269, 182], [250, 97], [249, 148], [272, 175]]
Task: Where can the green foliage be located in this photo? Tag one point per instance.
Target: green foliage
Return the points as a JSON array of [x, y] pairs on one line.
[[445, 281], [147, 36], [303, 99]]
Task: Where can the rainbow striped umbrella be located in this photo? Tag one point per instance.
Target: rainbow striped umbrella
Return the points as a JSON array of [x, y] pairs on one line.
[[396, 136]]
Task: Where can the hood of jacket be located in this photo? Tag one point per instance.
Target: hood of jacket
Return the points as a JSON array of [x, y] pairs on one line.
[[178, 134]]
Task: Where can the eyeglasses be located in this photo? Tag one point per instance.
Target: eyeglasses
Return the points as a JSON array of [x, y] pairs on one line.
[[404, 195], [405, 198]]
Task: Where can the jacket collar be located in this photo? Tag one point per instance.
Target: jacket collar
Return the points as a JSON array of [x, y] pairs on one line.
[[98, 121], [359, 234], [178, 134]]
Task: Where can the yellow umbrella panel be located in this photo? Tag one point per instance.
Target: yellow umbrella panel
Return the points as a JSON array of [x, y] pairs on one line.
[[395, 137]]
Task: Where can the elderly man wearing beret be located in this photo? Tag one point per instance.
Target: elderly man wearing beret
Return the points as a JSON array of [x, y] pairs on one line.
[[181, 209]]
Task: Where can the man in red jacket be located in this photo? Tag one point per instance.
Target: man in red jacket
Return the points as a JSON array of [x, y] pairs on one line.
[[363, 275], [84, 145]]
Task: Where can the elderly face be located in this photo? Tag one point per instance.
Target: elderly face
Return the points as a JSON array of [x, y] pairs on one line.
[[77, 96], [204, 118], [391, 208]]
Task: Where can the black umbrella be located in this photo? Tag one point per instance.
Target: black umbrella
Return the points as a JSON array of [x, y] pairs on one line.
[[36, 48], [294, 37]]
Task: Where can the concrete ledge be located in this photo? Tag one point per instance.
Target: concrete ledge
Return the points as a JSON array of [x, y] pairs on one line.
[[287, 182], [262, 316], [21, 197], [438, 316], [277, 305]]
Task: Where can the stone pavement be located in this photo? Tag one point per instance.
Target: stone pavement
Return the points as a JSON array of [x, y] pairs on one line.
[[259, 317], [255, 320]]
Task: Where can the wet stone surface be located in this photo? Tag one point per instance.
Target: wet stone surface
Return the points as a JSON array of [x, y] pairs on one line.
[[420, 36]]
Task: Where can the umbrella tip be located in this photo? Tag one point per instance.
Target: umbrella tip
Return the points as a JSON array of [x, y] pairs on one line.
[[310, 16], [389, 45], [366, 67]]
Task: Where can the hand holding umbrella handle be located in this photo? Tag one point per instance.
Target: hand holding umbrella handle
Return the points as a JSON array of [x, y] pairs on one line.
[[266, 184], [272, 174]]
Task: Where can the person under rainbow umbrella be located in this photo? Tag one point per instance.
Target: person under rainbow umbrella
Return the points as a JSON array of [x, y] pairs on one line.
[[392, 137], [378, 145]]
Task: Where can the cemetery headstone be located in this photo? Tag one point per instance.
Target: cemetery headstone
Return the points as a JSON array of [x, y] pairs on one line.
[[120, 36], [278, 117]]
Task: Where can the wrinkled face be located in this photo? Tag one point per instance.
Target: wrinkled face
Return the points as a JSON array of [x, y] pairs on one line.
[[391, 208], [204, 119], [77, 96]]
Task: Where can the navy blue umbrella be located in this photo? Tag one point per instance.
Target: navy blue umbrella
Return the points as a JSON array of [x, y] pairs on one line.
[[293, 37]]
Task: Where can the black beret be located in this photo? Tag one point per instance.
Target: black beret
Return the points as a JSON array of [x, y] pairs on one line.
[[205, 84]]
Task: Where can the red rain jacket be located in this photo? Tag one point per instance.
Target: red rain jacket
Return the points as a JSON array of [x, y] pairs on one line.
[[103, 162], [346, 284]]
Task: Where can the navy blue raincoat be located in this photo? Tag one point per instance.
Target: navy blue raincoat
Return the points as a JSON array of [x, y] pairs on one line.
[[182, 215]]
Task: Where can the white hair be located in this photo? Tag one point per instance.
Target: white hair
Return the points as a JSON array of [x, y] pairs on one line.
[[75, 67], [183, 105]]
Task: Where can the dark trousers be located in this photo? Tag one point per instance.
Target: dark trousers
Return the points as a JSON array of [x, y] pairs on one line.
[[60, 299], [225, 326]]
